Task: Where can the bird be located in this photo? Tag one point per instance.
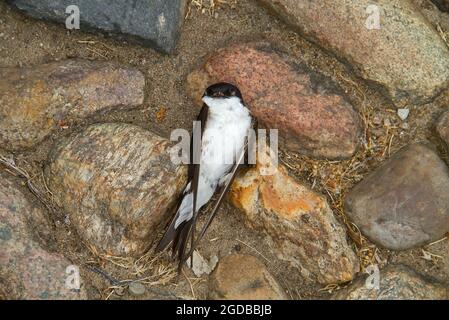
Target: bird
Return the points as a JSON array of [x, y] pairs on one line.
[[223, 126]]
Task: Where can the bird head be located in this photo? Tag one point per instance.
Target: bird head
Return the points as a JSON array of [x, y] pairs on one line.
[[222, 90]]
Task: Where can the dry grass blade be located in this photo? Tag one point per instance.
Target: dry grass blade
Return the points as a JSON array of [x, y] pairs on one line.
[[190, 283], [429, 256], [97, 52], [446, 237], [150, 269], [208, 6], [254, 249], [330, 288], [443, 35], [23, 174]]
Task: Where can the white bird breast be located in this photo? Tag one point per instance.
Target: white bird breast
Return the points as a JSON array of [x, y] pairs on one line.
[[222, 143]]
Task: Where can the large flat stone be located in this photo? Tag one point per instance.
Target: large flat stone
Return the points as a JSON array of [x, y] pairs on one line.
[[297, 221], [154, 23], [34, 101], [117, 183], [406, 58], [405, 202], [309, 110]]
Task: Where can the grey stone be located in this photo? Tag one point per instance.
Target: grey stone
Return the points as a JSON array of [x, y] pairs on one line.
[[153, 23], [396, 282], [27, 269], [405, 202], [136, 289]]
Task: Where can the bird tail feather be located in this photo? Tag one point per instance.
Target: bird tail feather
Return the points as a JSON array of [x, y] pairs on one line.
[[177, 236]]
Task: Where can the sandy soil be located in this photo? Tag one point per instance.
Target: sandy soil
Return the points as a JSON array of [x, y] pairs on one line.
[[25, 41]]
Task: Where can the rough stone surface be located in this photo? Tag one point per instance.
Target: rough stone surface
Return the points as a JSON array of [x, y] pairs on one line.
[[396, 282], [117, 183], [153, 23], [438, 18], [443, 127], [311, 113], [406, 57], [299, 223], [405, 202], [27, 270], [243, 277], [36, 100]]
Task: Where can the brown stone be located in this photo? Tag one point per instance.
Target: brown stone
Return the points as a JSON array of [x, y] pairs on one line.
[[311, 112], [243, 277], [405, 202], [298, 222], [36, 100], [117, 183], [396, 282], [27, 270], [406, 58]]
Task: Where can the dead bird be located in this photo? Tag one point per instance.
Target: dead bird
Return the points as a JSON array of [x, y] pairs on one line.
[[224, 123]]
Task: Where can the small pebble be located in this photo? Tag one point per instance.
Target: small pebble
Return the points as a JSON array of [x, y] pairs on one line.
[[405, 126], [387, 122], [403, 113], [136, 289]]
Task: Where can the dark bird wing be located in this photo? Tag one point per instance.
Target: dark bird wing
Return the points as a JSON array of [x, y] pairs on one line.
[[179, 236]]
